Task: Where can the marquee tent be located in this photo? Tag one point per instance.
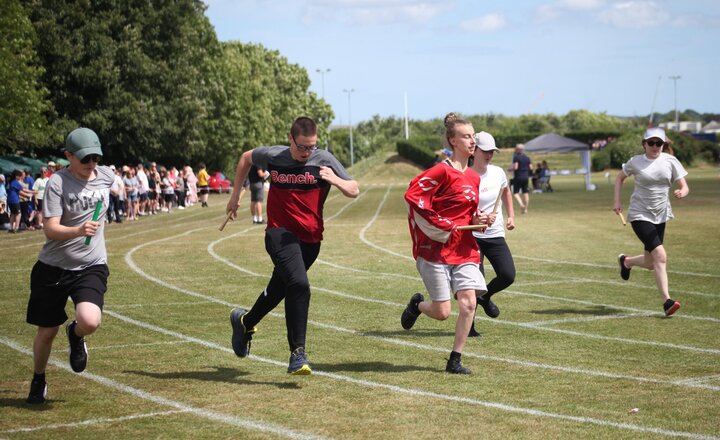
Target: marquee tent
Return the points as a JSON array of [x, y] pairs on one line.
[[554, 143]]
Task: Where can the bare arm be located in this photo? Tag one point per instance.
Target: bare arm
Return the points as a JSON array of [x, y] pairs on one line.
[[617, 205], [55, 231], [508, 202], [683, 188], [241, 172], [349, 188]]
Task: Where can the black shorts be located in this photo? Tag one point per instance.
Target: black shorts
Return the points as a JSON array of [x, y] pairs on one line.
[[520, 184], [168, 197], [14, 208], [51, 286], [143, 197], [257, 192], [152, 195], [204, 189], [650, 234], [39, 205]]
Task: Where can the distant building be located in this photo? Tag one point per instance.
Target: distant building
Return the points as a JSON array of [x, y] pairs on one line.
[[691, 126], [711, 127]]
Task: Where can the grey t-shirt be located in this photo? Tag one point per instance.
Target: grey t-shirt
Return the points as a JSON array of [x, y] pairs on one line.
[[74, 200], [650, 201]]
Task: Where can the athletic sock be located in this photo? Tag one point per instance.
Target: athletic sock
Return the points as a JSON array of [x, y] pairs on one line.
[[39, 377]]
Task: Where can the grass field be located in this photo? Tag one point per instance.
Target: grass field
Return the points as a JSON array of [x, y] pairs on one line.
[[573, 351]]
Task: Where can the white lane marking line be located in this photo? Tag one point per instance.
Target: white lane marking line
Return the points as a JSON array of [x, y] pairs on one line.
[[608, 266], [422, 393], [609, 306], [580, 319], [179, 303], [387, 340], [346, 206], [698, 380], [369, 224], [142, 394], [91, 422]]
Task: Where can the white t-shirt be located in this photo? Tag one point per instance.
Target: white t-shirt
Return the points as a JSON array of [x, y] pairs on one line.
[[39, 187], [650, 200], [143, 179], [491, 183]]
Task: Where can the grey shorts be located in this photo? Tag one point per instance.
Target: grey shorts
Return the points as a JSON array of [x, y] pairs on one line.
[[442, 281], [257, 192]]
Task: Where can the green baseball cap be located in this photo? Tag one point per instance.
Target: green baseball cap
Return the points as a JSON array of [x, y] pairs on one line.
[[83, 141]]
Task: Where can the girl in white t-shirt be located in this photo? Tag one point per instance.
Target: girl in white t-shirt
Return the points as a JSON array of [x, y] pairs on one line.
[[492, 241], [655, 172]]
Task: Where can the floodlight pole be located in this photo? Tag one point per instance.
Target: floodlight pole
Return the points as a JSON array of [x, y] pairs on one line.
[[322, 73], [677, 120], [352, 152]]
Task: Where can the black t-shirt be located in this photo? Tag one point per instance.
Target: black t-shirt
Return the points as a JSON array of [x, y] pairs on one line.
[[253, 176], [523, 169]]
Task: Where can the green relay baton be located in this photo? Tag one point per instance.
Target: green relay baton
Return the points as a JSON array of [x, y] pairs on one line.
[[96, 214]]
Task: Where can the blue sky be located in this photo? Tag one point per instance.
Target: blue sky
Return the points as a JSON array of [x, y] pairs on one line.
[[490, 56]]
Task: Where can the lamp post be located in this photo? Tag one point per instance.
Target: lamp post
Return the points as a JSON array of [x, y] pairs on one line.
[[677, 121], [352, 152], [322, 73]]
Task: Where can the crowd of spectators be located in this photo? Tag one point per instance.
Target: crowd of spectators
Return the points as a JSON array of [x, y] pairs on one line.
[[137, 191]]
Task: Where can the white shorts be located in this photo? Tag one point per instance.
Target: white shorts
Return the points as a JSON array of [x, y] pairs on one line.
[[439, 278]]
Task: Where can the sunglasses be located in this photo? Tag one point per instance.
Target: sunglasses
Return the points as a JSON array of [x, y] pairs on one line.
[[91, 157], [304, 147], [655, 143]]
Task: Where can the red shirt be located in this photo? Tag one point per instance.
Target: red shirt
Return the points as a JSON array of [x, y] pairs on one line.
[[297, 192], [440, 199]]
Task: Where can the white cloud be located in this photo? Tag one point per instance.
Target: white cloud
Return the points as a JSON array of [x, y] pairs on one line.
[[486, 23], [369, 12], [580, 5], [635, 14]]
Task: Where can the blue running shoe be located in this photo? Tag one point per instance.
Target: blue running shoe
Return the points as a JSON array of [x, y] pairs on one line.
[[241, 337], [298, 364]]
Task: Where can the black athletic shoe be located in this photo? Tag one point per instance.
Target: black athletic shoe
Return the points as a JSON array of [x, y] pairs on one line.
[[473, 333], [624, 271], [455, 367], [38, 392], [411, 312], [78, 349], [241, 337], [671, 306], [490, 308]]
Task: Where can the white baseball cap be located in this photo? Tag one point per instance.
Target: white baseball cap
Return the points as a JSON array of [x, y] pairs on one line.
[[485, 141], [655, 132]]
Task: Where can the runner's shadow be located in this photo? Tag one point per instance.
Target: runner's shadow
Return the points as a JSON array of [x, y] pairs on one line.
[[20, 403], [362, 367], [221, 374], [594, 311]]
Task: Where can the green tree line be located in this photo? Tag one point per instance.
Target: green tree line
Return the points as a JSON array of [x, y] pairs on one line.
[[150, 77]]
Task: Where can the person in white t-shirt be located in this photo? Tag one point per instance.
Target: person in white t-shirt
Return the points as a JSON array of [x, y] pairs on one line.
[[655, 173], [39, 194], [491, 242]]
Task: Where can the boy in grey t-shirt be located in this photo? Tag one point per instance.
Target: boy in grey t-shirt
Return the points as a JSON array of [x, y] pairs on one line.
[[73, 261]]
